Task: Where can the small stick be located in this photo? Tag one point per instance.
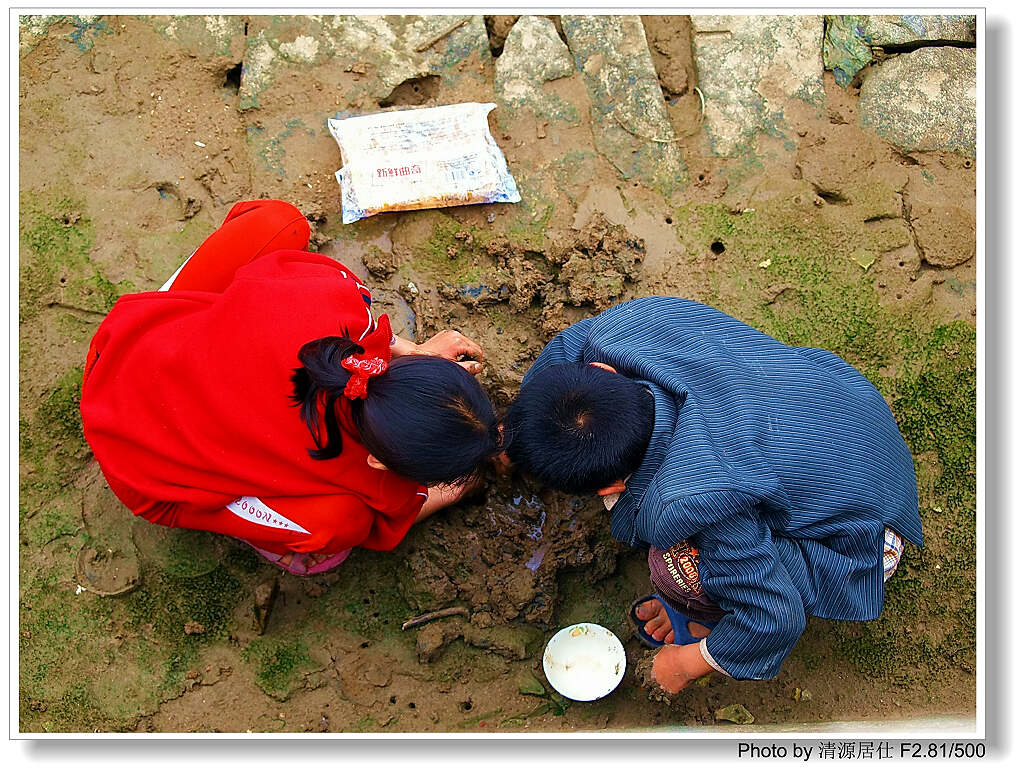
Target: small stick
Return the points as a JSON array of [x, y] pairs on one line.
[[456, 610]]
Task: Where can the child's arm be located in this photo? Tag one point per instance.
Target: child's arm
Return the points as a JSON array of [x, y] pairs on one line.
[[441, 496], [741, 571]]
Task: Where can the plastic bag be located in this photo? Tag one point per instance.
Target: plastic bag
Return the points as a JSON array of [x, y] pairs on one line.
[[419, 158]]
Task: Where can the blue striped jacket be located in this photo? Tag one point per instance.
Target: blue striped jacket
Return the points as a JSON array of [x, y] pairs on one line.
[[782, 465]]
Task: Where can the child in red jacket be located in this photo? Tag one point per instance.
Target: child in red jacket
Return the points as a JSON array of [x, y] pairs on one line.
[[255, 395]]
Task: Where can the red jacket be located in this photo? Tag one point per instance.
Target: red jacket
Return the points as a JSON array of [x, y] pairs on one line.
[[185, 402]]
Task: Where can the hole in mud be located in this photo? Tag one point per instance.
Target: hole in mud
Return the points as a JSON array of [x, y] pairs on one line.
[[901, 263], [700, 177], [968, 163], [233, 77], [63, 281], [393, 699], [668, 219], [832, 198], [414, 91], [466, 705], [364, 645], [718, 247], [366, 601], [412, 705]]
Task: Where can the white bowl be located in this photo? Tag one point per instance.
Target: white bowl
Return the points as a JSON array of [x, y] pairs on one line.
[[584, 662]]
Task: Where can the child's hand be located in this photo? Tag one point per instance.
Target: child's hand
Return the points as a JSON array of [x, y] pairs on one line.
[[451, 345], [676, 666]]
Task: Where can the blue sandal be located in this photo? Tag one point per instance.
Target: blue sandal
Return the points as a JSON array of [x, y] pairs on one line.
[[677, 619]]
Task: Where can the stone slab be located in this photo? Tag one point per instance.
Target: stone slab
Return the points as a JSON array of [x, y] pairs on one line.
[[533, 55], [924, 100], [851, 40], [628, 116], [388, 49], [754, 71]]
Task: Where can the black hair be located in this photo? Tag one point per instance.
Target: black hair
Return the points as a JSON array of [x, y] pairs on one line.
[[425, 418], [579, 428]]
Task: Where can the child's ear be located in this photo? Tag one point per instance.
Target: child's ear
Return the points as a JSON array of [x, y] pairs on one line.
[[374, 462]]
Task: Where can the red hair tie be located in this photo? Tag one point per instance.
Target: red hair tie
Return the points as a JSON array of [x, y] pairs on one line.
[[361, 369]]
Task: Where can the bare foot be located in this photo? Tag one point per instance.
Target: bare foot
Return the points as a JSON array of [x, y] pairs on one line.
[[312, 558], [658, 625]]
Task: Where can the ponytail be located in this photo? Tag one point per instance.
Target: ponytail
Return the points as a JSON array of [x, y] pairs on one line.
[[321, 377], [425, 418]]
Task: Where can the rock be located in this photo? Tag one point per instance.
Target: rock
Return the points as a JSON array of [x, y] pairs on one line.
[[849, 39], [885, 30], [923, 101], [845, 51], [206, 36], [386, 51], [758, 74], [735, 713], [945, 233], [629, 120], [533, 55]]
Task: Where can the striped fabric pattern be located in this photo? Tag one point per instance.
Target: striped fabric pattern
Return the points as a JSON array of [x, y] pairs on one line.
[[782, 465]]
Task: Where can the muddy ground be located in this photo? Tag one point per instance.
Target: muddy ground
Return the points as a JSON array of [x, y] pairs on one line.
[[839, 242]]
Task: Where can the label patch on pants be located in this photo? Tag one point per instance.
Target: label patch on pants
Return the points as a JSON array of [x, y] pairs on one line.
[[255, 511]]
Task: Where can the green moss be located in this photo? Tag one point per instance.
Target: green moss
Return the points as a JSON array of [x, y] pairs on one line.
[[795, 278], [365, 724], [934, 404], [52, 450], [369, 606], [530, 217], [56, 239], [445, 257], [59, 412], [169, 603], [166, 250], [279, 664]]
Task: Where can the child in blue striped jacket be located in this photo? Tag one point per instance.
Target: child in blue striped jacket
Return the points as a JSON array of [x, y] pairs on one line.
[[767, 481]]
